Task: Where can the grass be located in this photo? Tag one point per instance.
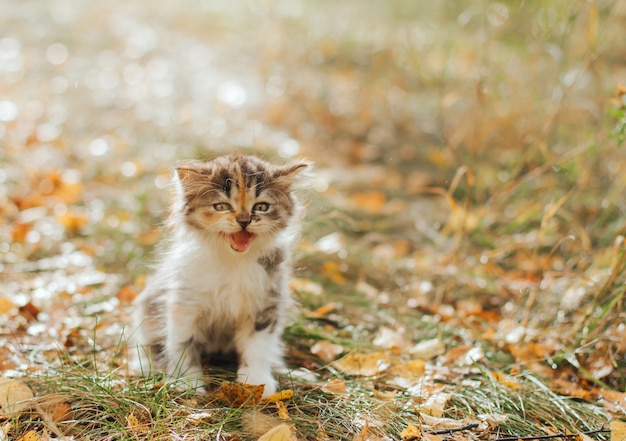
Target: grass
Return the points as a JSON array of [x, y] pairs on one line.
[[469, 162]]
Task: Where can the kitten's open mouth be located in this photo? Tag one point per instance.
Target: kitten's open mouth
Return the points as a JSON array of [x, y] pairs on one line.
[[240, 240]]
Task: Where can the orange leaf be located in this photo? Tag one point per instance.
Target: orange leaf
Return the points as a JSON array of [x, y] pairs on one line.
[[19, 232], [331, 271], [411, 433], [126, 295], [365, 365], [241, 394], [335, 386], [73, 220], [372, 201]]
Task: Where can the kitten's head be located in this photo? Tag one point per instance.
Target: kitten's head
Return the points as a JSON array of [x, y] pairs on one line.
[[237, 199]]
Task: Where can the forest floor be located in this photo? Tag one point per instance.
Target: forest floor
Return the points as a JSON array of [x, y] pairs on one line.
[[461, 270]]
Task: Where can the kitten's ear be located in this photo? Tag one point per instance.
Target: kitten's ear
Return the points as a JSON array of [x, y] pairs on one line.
[[291, 170], [187, 175], [189, 171]]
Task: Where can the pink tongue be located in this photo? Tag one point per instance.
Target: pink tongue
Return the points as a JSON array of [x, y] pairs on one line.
[[240, 240]]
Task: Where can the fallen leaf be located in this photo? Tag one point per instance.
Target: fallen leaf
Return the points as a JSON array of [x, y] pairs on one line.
[[325, 309], [282, 432], [618, 430], [73, 220], [29, 311], [411, 433], [19, 232], [435, 405], [363, 434], [330, 270], [326, 350], [411, 370], [279, 396], [335, 386], [242, 394], [6, 305], [371, 202], [282, 410], [135, 426], [365, 365], [304, 285], [505, 380], [197, 418], [428, 349], [31, 435], [438, 423], [14, 395], [61, 412], [388, 338], [126, 295]]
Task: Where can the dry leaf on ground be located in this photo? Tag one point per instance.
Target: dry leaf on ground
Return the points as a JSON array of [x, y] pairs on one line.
[[365, 365], [241, 394], [428, 349], [335, 386], [14, 395], [31, 435], [411, 433], [326, 350], [134, 425], [618, 430], [282, 410], [282, 432], [279, 396]]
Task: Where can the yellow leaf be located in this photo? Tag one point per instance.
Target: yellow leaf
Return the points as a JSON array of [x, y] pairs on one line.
[[335, 386], [331, 271], [411, 433], [365, 365], [134, 425], [410, 370], [372, 201], [282, 410], [279, 396], [618, 430], [282, 432], [505, 380], [74, 220], [14, 395], [6, 305], [31, 435]]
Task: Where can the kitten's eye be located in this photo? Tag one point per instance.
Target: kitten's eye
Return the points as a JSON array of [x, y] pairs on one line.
[[222, 206], [261, 206]]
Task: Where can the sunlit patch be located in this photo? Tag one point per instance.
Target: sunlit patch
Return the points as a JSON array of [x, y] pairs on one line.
[[232, 93]]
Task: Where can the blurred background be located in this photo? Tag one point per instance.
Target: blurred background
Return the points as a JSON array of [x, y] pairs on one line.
[[464, 150]]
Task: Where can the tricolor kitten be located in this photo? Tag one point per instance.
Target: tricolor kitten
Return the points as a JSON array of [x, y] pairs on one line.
[[222, 281]]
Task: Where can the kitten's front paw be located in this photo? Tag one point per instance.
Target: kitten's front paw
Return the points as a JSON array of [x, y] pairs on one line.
[[250, 376]]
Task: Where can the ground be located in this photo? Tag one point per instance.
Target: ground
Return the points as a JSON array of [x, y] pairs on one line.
[[460, 272]]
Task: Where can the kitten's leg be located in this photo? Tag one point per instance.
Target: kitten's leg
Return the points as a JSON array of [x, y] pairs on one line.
[[182, 353], [259, 352], [145, 338]]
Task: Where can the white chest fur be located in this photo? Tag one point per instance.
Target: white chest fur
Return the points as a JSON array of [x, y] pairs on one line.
[[213, 279]]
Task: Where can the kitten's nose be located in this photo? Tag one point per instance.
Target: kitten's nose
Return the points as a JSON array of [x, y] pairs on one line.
[[244, 222]]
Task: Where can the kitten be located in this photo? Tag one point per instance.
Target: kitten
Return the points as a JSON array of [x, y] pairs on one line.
[[221, 284]]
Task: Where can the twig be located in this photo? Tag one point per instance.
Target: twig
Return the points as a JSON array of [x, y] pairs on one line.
[[557, 435], [456, 429]]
